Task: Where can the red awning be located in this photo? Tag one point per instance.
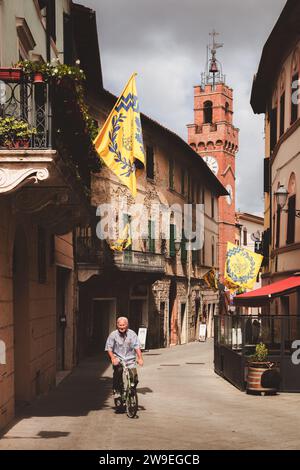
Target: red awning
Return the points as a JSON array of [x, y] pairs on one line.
[[265, 294]]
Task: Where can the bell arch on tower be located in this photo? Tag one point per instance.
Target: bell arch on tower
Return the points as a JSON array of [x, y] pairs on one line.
[[208, 112]]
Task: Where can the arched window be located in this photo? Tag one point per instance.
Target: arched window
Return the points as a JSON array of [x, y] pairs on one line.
[[208, 112], [295, 86], [226, 108], [290, 239]]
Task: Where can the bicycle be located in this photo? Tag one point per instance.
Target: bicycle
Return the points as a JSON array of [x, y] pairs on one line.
[[129, 396]]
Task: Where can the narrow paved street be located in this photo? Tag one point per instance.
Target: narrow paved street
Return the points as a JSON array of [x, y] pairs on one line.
[[183, 405]]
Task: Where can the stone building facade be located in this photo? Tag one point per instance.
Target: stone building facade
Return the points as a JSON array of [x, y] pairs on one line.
[[275, 93], [42, 199]]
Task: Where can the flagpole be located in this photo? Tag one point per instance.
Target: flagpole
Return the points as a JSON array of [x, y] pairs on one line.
[[113, 109]]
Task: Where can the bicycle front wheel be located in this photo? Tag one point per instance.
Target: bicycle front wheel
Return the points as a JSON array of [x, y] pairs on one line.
[[132, 404]]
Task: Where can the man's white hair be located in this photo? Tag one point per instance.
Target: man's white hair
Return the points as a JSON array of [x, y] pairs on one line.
[[125, 319]]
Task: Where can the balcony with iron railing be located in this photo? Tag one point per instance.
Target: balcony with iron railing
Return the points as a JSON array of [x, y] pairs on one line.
[[139, 261], [25, 113], [43, 139], [94, 256]]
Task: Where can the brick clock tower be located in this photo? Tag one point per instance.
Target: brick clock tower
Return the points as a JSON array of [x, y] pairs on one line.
[[215, 138]]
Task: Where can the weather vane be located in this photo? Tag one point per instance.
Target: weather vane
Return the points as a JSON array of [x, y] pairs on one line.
[[214, 68], [213, 49]]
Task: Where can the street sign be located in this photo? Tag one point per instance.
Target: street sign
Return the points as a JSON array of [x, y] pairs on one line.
[[142, 335], [202, 332]]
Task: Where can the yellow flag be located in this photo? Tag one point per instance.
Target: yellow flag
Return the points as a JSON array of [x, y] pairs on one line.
[[241, 267], [231, 286], [120, 141], [123, 242], [211, 280]]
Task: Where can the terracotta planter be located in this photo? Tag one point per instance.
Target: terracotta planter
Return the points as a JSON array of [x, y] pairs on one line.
[[24, 144], [258, 379], [38, 78], [17, 144], [10, 75]]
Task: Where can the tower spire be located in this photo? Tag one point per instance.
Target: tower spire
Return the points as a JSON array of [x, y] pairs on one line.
[[213, 73]]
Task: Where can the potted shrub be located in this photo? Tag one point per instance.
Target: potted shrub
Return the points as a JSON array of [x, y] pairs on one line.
[[263, 377], [15, 133]]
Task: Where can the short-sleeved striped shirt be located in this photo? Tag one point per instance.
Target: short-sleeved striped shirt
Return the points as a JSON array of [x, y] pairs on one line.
[[124, 346]]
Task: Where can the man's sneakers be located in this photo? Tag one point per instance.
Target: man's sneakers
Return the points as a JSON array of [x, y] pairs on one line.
[[118, 401]]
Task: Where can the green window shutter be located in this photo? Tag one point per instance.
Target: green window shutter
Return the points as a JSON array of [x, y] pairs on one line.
[[183, 248], [172, 240], [194, 256], [151, 235]]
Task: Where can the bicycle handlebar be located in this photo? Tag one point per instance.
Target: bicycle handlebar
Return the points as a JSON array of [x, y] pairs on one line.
[[123, 364]]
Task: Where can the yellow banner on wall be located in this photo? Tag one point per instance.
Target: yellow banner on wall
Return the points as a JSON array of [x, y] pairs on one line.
[[241, 267]]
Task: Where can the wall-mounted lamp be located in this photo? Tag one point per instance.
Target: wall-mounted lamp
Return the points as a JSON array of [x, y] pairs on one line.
[[281, 199]]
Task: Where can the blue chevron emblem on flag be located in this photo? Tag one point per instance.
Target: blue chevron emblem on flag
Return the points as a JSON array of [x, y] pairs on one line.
[[127, 102]]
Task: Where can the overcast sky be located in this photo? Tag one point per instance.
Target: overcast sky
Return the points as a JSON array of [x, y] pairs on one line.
[[164, 41]]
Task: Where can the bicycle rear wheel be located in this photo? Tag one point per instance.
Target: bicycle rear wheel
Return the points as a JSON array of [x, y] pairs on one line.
[[132, 403]]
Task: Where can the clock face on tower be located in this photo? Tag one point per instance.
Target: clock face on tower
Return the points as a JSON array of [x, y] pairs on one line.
[[212, 163], [230, 196]]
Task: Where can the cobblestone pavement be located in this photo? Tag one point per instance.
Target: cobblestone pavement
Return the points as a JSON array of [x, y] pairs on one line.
[[183, 405]]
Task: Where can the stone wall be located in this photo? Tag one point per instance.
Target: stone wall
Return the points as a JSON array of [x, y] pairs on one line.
[[28, 312]]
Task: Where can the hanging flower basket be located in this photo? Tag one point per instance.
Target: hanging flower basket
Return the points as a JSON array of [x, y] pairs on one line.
[[10, 74]]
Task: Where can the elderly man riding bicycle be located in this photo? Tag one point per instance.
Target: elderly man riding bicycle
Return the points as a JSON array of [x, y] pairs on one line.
[[123, 345]]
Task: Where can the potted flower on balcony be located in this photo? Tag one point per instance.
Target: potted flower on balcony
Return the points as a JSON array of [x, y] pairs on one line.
[[11, 74], [263, 376], [15, 133]]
